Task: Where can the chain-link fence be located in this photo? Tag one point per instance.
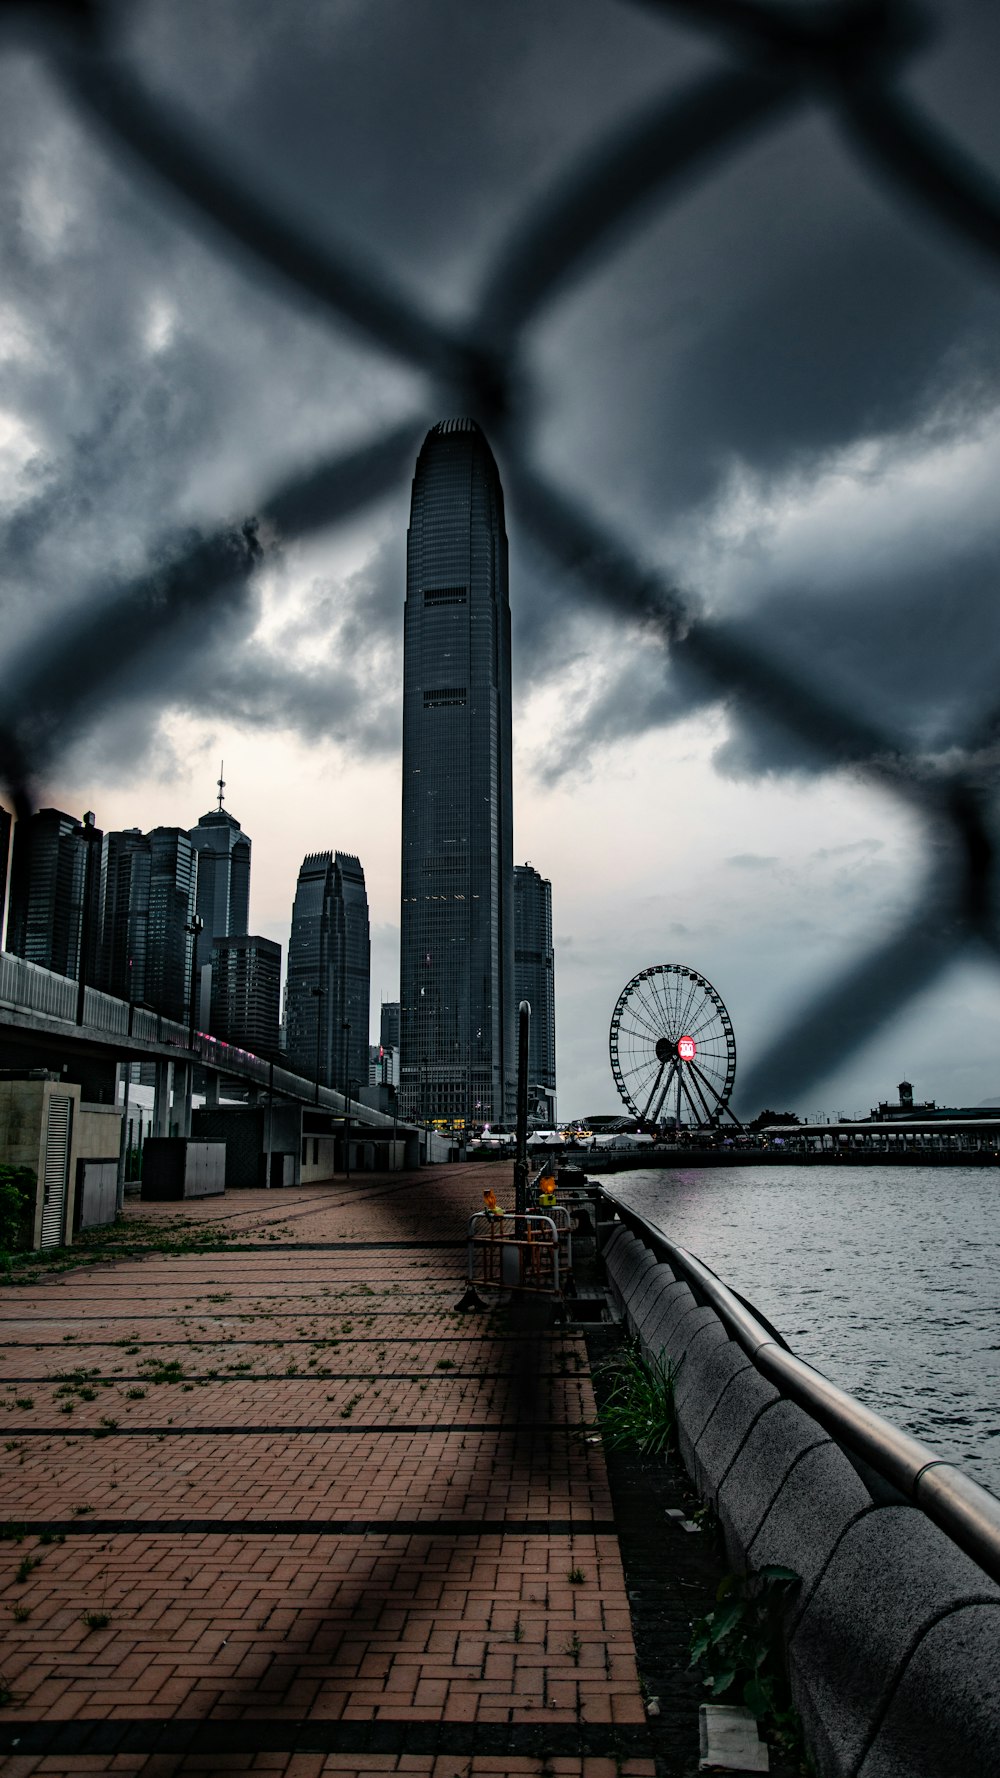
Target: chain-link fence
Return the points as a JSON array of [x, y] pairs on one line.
[[846, 58]]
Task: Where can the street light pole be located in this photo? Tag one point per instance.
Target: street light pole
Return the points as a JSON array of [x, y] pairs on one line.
[[317, 994], [196, 927], [347, 1098]]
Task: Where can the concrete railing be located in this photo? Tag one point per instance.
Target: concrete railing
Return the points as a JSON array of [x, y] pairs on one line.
[[893, 1635]]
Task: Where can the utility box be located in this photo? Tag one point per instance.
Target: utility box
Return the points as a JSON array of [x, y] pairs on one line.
[[96, 1193], [176, 1167], [45, 1125]]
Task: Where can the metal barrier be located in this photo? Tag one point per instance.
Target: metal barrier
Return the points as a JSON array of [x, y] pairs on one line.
[[509, 1252], [969, 1514]]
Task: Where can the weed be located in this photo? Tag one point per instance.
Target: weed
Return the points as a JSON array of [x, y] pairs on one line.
[[97, 1620], [11, 1532], [24, 1401], [346, 1326], [574, 1648], [135, 1395], [739, 1645], [80, 1511], [445, 1364], [106, 1428], [576, 1577], [349, 1407], [65, 1407], [518, 1631], [27, 1565], [52, 1537], [12, 1444], [639, 1407], [162, 1370], [20, 1613]]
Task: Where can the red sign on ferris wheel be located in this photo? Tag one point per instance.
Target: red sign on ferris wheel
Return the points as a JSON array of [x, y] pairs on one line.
[[687, 1049]]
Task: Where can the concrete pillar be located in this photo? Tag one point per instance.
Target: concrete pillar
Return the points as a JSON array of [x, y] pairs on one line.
[[183, 1073], [211, 1089], [161, 1097]]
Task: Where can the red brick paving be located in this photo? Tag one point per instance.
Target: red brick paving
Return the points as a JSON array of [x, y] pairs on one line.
[[223, 1625]]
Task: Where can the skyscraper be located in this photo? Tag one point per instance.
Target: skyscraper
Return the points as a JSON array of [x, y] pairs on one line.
[[55, 891], [147, 897], [388, 1031], [223, 898], [246, 992], [329, 971], [534, 981], [457, 1011]]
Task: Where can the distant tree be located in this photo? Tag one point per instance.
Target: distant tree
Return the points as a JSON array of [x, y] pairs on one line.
[[772, 1117]]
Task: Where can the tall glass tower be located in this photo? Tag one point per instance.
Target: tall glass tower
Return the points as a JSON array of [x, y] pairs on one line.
[[457, 1012], [534, 981], [329, 972]]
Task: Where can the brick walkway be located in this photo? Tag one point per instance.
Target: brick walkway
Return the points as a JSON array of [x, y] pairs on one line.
[[331, 1522]]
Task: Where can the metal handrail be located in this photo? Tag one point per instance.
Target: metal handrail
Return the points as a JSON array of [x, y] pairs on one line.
[[967, 1512]]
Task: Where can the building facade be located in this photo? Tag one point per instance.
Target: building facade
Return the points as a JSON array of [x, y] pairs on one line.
[[328, 990], [148, 884], [457, 1009], [246, 992], [388, 1029], [223, 893], [54, 912], [534, 981]]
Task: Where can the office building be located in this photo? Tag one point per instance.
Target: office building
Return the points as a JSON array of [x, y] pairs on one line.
[[55, 892], [329, 968], [388, 1031], [246, 993], [147, 899], [534, 981], [6, 829], [124, 914], [223, 894], [457, 1011]]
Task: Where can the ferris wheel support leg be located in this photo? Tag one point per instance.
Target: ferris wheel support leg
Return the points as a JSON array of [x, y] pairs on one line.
[[663, 1095], [652, 1096], [696, 1072]]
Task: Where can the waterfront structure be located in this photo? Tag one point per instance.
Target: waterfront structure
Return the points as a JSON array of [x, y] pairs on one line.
[[329, 968], [534, 981], [54, 892], [457, 1007], [246, 992]]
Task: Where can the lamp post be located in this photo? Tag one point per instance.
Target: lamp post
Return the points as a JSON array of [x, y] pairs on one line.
[[195, 927], [317, 994], [346, 1028]]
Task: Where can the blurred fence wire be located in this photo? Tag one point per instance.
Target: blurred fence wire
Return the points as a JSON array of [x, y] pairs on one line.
[[773, 61]]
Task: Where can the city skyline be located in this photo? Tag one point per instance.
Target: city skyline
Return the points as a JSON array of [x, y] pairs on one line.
[[777, 388]]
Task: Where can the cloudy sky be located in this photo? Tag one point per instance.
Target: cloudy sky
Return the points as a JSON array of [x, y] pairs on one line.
[[775, 386]]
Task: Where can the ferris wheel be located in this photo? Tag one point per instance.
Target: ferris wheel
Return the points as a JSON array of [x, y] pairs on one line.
[[673, 1053]]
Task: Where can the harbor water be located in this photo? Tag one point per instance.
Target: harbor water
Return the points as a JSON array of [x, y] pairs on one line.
[[884, 1278]]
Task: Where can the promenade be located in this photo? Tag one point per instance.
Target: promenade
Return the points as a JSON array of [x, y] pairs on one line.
[[284, 1510]]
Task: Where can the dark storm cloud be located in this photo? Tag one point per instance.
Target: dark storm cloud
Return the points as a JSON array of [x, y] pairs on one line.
[[786, 306]]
